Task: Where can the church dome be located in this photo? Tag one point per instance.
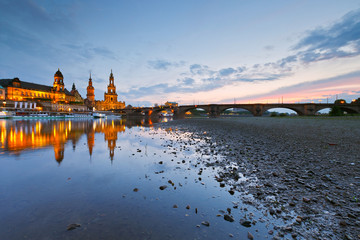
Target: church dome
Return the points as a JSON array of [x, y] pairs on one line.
[[58, 74]]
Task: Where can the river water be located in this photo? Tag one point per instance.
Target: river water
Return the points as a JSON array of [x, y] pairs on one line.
[[105, 175]]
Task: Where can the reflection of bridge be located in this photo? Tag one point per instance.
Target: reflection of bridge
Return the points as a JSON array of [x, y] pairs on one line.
[[257, 109]]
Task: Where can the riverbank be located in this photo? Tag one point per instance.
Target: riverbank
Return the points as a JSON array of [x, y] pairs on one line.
[[302, 169]]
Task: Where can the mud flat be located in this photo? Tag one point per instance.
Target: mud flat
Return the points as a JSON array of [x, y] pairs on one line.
[[305, 170]]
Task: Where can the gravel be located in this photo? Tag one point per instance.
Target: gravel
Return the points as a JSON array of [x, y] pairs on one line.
[[305, 170]]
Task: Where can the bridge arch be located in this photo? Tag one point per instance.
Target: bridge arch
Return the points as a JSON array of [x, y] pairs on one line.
[[293, 110], [245, 109], [181, 111]]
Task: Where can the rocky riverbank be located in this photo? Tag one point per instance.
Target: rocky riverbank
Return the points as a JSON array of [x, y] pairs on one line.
[[303, 170]]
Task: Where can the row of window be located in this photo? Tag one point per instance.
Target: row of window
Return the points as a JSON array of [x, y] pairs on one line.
[[42, 95]]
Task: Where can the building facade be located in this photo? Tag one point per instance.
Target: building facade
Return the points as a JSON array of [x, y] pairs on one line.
[[55, 97], [110, 101]]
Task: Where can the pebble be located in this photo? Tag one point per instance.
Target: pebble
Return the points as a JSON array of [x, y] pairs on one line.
[[205, 223], [135, 189], [250, 236], [175, 206], [245, 223], [163, 187], [73, 226], [343, 223], [188, 207], [228, 218], [305, 199]]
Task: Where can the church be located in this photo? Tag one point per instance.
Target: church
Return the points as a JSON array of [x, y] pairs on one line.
[[21, 95], [110, 101]]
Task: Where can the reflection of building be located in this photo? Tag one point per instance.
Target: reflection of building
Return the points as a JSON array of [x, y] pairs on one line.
[[110, 101], [17, 136], [55, 97]]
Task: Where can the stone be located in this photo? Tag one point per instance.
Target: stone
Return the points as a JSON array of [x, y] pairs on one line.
[[250, 236], [228, 218], [205, 223], [245, 223], [175, 206], [188, 207], [163, 187], [73, 226], [135, 189]]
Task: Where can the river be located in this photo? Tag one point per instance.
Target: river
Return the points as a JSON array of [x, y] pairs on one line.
[[114, 179]]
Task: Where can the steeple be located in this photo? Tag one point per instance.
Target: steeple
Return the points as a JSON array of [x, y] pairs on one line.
[[111, 95], [90, 91], [111, 79], [73, 87]]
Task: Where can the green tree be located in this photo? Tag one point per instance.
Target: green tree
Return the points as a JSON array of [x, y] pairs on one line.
[[336, 111]]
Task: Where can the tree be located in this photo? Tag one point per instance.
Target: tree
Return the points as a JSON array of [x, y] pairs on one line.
[[336, 111]]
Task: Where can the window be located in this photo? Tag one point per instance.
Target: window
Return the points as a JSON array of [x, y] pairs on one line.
[[1, 92]]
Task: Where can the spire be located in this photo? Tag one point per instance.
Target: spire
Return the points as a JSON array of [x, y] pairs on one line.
[[73, 87], [90, 76]]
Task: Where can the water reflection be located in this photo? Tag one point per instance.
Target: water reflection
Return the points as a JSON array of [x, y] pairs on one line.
[[20, 135]]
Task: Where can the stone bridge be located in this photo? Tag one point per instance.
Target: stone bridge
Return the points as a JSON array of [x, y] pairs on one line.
[[257, 109]]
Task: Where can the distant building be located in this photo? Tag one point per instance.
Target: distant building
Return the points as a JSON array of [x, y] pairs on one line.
[[171, 104], [110, 101]]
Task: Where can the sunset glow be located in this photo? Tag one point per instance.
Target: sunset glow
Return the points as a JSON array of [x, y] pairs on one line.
[[237, 51]]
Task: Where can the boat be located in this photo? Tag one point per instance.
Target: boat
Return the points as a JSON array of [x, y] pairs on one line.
[[99, 115], [6, 114], [78, 115], [28, 115]]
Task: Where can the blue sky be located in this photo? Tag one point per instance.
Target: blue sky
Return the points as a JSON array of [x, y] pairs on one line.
[[187, 51]]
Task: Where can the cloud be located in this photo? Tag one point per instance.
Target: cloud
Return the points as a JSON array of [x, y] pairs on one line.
[[227, 71], [188, 81], [341, 39], [322, 87], [198, 69], [87, 51], [164, 64]]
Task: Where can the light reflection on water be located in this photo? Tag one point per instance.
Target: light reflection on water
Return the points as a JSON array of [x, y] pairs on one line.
[[98, 165]]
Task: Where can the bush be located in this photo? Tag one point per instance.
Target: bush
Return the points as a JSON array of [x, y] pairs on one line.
[[273, 114]]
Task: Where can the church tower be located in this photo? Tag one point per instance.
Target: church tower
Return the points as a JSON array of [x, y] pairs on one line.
[[111, 95], [90, 91], [58, 81]]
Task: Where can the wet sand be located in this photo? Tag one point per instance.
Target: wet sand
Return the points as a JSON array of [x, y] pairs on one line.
[[305, 170]]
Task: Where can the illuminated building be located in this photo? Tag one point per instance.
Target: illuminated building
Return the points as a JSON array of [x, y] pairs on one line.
[[2, 93], [90, 95], [110, 101], [171, 104], [55, 97]]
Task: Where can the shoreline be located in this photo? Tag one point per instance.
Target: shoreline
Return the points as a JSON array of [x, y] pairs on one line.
[[306, 169]]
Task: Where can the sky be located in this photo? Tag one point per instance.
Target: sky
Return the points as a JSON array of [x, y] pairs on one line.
[[187, 51]]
